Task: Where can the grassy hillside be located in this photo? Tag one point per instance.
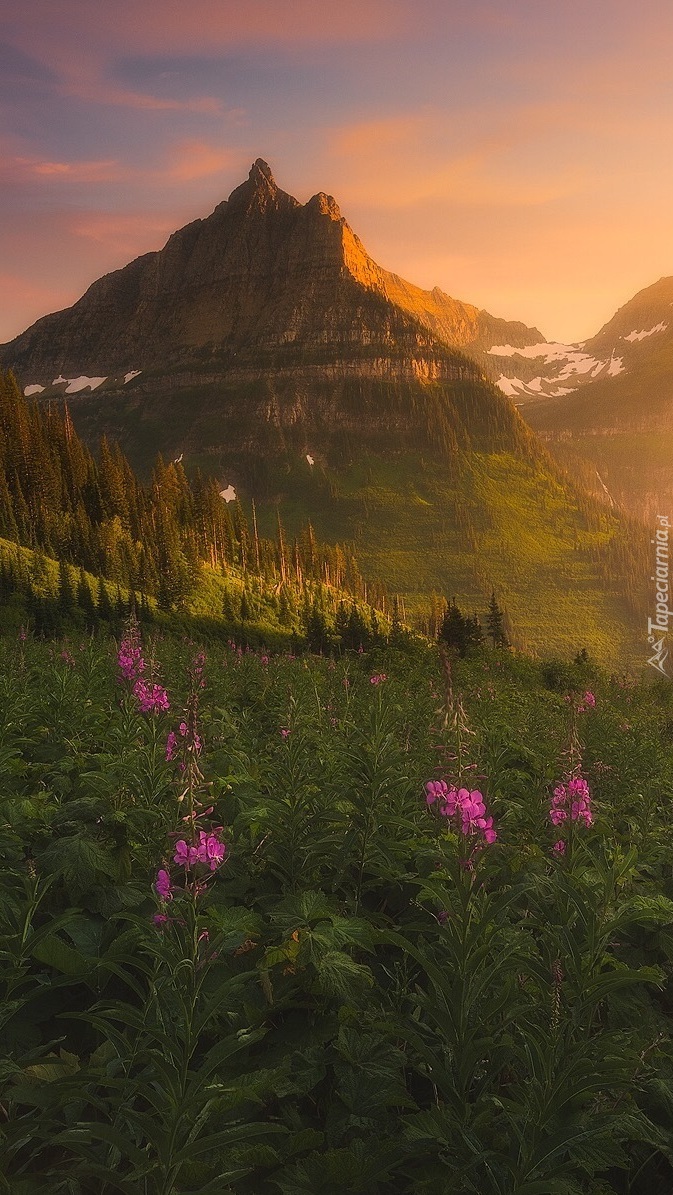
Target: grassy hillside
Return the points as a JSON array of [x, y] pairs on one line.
[[496, 522]]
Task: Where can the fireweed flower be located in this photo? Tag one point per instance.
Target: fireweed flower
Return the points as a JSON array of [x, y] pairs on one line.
[[587, 702], [152, 699], [163, 885], [130, 657], [173, 743], [209, 850], [570, 801], [468, 808], [378, 679]]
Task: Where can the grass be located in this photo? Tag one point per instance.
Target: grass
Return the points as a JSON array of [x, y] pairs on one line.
[[499, 523]]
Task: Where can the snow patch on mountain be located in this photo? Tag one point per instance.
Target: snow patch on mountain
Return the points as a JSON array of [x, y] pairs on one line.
[[549, 351], [74, 385], [564, 363], [229, 494], [641, 335], [84, 382]]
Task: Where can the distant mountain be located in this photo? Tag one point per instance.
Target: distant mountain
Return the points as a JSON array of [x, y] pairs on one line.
[[263, 345], [624, 372], [613, 422]]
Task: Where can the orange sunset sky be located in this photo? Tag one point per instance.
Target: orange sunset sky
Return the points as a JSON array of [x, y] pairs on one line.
[[518, 154]]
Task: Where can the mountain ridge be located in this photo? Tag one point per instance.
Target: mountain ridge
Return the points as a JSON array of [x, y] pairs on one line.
[[249, 274]]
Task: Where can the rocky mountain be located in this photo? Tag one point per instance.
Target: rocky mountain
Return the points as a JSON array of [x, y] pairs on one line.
[[263, 275], [263, 345], [621, 371], [612, 423], [632, 380]]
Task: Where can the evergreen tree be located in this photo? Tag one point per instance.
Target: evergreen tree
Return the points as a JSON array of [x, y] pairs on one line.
[[103, 603], [228, 606], [495, 623], [85, 598], [66, 595], [317, 630], [474, 633], [453, 630], [284, 607]]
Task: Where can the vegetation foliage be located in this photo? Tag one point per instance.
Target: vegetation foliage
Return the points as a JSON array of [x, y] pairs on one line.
[[244, 950]]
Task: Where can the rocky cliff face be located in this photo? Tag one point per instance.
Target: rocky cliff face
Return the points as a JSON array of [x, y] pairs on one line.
[[263, 281]]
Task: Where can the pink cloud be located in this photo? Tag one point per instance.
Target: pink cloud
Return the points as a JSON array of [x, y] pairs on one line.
[[73, 172], [181, 162], [124, 234], [428, 156], [191, 160]]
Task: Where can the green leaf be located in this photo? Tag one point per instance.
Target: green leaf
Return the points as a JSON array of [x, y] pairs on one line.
[[56, 953]]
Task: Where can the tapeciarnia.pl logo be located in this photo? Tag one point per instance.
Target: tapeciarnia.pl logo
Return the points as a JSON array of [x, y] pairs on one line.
[[657, 627]]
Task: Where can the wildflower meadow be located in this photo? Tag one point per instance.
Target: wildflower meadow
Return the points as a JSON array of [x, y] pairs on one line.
[[387, 922]]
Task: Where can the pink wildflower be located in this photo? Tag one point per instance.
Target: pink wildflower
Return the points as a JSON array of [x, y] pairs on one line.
[[160, 919], [284, 732], [210, 850], [467, 805], [485, 824], [183, 853], [559, 848], [163, 885], [130, 657], [378, 679], [170, 746], [150, 698], [572, 798]]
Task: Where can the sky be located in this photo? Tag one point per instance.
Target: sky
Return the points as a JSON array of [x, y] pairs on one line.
[[516, 153]]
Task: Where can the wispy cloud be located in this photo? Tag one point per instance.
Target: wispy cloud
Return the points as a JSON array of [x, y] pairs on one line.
[[181, 162], [404, 161], [124, 234], [189, 160], [27, 168]]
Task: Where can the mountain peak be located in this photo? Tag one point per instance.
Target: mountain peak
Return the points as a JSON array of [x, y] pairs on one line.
[[261, 170], [262, 271], [325, 205], [260, 185]]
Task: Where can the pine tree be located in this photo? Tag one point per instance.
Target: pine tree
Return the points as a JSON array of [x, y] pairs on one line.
[[495, 623], [66, 595], [453, 630], [475, 635], [103, 603]]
